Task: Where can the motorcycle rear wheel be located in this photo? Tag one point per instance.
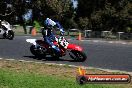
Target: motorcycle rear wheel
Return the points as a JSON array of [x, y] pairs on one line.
[[36, 52]]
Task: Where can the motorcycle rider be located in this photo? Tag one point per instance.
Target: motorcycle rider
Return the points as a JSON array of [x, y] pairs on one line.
[[48, 35]]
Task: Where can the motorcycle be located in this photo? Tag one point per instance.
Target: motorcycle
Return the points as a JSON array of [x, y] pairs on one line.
[[6, 31], [39, 48]]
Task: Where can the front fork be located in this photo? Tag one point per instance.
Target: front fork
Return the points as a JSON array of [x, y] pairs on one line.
[[71, 54], [7, 32], [8, 29]]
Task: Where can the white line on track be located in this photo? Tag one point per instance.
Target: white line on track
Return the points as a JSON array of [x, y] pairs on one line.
[[27, 36], [39, 62], [50, 63], [124, 43], [61, 64], [110, 42], [96, 41], [72, 65], [21, 60], [10, 59]]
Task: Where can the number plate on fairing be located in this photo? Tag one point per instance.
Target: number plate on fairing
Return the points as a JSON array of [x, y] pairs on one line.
[[63, 42]]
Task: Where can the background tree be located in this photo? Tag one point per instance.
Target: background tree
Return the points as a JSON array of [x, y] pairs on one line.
[[96, 15], [105, 14]]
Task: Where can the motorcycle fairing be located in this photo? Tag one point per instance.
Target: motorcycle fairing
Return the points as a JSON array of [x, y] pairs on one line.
[[42, 43], [32, 41], [74, 47]]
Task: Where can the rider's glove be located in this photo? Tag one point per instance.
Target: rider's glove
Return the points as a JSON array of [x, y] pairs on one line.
[[62, 31], [53, 46]]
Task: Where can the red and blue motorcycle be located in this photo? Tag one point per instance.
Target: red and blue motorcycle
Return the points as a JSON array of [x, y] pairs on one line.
[[39, 48]]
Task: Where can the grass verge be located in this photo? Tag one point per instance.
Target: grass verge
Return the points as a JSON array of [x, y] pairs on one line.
[[15, 74]]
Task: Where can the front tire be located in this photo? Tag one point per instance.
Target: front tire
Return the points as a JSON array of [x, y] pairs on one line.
[[78, 56], [9, 36]]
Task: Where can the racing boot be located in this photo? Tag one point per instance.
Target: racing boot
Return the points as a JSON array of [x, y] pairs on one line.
[[56, 51]]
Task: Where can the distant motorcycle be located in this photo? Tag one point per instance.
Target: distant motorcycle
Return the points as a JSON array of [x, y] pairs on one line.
[[39, 48], [6, 31]]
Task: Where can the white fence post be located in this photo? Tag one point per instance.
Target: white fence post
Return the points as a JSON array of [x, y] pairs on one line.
[[89, 33], [119, 35]]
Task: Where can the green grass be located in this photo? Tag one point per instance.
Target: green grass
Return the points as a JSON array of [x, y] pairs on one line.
[[9, 79], [15, 74]]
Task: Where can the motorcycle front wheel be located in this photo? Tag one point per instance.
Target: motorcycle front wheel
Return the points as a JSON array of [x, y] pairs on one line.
[[9, 36], [78, 56]]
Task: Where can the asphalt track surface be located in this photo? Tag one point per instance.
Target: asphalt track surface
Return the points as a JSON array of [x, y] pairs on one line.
[[103, 55]]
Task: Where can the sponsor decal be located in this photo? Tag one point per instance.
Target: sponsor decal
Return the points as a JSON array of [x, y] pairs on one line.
[[83, 78]]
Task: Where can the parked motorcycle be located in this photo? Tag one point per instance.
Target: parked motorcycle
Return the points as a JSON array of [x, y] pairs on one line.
[[6, 31], [39, 48]]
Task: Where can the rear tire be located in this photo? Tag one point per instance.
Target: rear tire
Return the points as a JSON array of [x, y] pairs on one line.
[[4, 35], [78, 56], [36, 52]]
